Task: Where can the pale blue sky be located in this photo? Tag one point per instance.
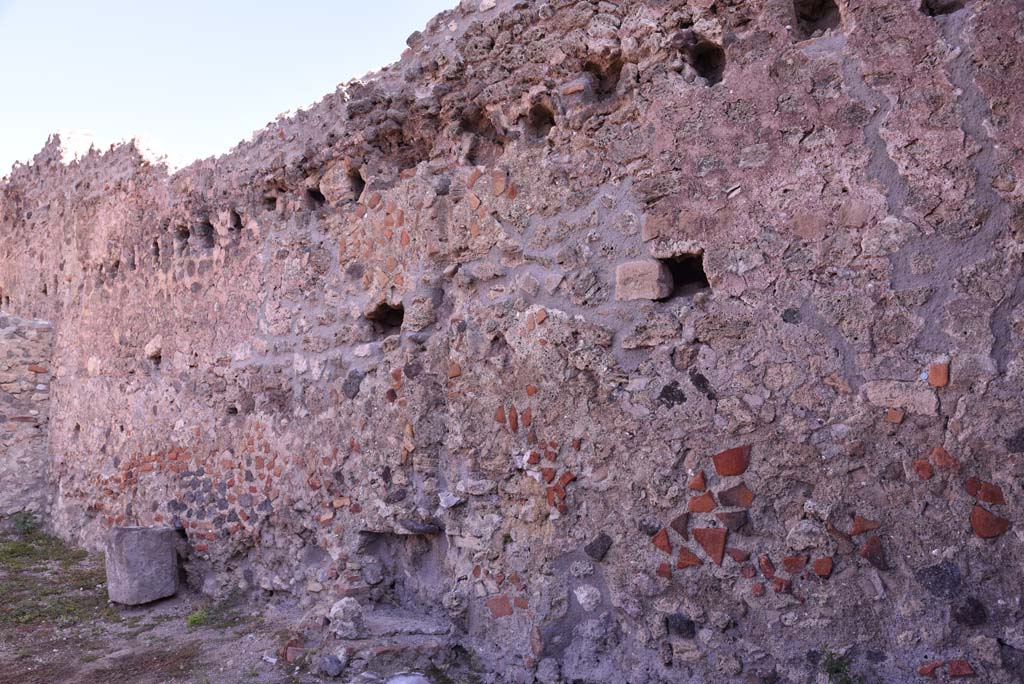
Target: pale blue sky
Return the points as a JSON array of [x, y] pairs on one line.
[[192, 77]]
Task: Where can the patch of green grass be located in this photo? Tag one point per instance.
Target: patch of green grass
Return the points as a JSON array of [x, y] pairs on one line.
[[45, 581], [218, 615], [837, 668]]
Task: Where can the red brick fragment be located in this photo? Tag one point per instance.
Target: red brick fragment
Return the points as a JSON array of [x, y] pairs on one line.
[[499, 415], [862, 525], [548, 474], [822, 567], [38, 369], [739, 496], [681, 525], [698, 482], [942, 458], [782, 586], [705, 503], [662, 541], [664, 570], [794, 564], [929, 668], [748, 571], [732, 461], [712, 540], [923, 469], [766, 565], [874, 553], [960, 668], [533, 458], [984, 491], [513, 419], [938, 374], [738, 555], [986, 524], [687, 559], [500, 606], [757, 590], [567, 477], [521, 602]]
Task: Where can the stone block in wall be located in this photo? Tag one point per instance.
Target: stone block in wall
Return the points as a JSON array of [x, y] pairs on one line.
[[142, 564], [644, 279]]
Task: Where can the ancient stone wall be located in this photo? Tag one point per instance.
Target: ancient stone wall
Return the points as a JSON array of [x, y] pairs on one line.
[[639, 341], [24, 413]]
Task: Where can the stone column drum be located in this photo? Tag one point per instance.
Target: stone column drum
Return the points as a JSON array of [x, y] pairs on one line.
[[142, 564]]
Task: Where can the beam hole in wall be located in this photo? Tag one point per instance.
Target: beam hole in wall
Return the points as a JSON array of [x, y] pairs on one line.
[[270, 202], [387, 318], [205, 234], [688, 276], [181, 236], [235, 223], [76, 432], [936, 8], [357, 184], [606, 77], [539, 121], [232, 410], [708, 60], [314, 199], [155, 249], [486, 143], [814, 17]]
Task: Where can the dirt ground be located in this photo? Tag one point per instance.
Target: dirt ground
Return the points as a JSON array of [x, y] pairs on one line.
[[56, 625]]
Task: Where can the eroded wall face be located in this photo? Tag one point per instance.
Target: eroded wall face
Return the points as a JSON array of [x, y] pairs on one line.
[[24, 413], [652, 338]]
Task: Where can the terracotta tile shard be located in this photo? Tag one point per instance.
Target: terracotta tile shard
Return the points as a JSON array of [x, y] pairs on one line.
[[767, 567], [941, 458], [984, 491], [662, 541], [681, 525], [960, 668], [794, 564], [687, 559], [738, 555], [500, 606], [923, 469], [862, 525], [733, 520], [664, 570], [732, 461], [928, 669], [986, 524], [698, 483], [454, 371], [822, 567], [513, 419], [748, 572], [499, 415], [782, 586], [739, 496], [705, 503], [938, 374], [712, 540], [874, 553], [548, 474], [894, 416], [757, 590]]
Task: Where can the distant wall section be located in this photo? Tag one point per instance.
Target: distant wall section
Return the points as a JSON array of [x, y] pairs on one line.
[[25, 347]]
